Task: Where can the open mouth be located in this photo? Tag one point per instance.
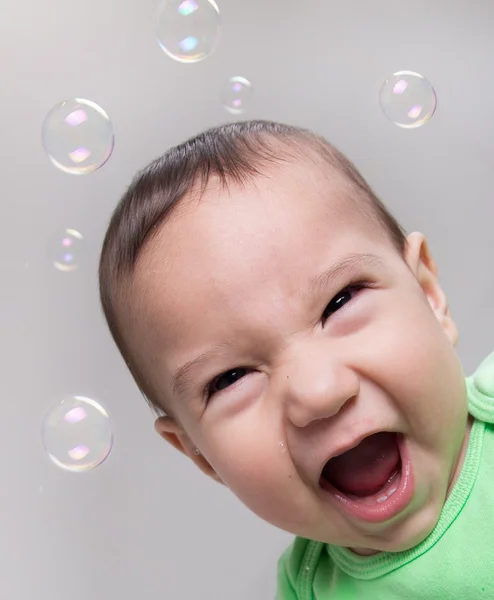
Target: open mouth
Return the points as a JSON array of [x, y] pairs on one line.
[[371, 482]]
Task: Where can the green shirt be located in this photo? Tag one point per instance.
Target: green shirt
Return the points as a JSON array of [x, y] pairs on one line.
[[456, 561]]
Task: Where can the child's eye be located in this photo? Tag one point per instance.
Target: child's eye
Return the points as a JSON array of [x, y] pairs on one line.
[[225, 380], [344, 297], [229, 378]]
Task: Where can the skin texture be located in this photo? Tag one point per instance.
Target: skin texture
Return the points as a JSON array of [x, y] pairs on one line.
[[234, 268]]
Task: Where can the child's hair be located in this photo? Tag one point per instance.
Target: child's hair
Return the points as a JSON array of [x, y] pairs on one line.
[[232, 153]]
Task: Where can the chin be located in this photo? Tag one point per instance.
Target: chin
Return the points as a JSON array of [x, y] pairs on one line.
[[387, 545], [414, 532], [404, 535]]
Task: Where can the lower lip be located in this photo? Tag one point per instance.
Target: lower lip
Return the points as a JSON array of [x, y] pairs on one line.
[[387, 508]]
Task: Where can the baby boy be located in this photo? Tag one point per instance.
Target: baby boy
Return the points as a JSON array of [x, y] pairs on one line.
[[298, 347]]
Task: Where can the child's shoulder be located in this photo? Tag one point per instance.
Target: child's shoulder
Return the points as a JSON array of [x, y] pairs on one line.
[[480, 386], [297, 561], [293, 556], [483, 378]]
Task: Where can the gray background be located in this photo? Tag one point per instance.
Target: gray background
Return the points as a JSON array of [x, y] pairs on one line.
[[146, 524]]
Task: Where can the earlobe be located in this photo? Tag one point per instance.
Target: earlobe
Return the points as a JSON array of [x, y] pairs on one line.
[[173, 433], [422, 265]]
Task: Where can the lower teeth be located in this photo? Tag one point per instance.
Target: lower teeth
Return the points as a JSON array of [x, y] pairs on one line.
[[371, 500], [383, 498]]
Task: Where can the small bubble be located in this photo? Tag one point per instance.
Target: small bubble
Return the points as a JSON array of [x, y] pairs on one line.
[[237, 95], [77, 136], [188, 30], [77, 434], [66, 250], [408, 99]]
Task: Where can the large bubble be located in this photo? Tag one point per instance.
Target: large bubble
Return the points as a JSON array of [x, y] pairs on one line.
[[77, 433], [78, 136], [188, 30], [408, 99]]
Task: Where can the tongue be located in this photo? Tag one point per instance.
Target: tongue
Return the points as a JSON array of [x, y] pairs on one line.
[[363, 470]]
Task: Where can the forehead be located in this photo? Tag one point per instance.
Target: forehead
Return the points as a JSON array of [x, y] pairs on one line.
[[225, 254], [262, 218]]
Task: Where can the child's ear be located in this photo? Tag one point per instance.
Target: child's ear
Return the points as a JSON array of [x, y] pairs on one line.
[[174, 434], [422, 265]]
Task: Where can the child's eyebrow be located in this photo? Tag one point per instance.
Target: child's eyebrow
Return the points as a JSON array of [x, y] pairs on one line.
[[350, 262], [182, 380]]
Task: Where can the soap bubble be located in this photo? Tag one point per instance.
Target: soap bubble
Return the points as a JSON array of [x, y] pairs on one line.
[[237, 95], [66, 250], [77, 434], [408, 99], [188, 30], [78, 136]]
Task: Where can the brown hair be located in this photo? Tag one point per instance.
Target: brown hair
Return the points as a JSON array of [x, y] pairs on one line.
[[235, 153]]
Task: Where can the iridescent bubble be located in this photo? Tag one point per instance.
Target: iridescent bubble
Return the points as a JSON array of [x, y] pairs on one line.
[[188, 30], [77, 434], [408, 99], [66, 250], [78, 136], [237, 95]]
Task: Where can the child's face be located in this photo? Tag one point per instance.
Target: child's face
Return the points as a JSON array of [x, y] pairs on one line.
[[231, 275]]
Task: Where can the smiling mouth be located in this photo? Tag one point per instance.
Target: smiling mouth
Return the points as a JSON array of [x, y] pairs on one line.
[[366, 471], [373, 482]]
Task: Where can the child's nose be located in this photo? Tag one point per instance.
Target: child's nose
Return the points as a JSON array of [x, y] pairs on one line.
[[314, 385]]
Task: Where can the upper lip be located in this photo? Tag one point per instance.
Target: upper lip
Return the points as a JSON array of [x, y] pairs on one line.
[[341, 449]]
